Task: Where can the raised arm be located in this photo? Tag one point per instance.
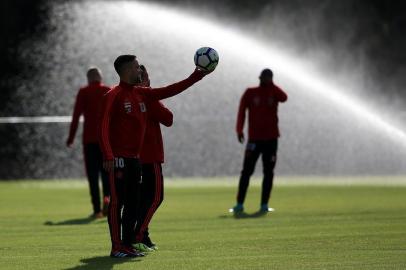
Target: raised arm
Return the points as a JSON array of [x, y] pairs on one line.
[[281, 96], [77, 112], [173, 89], [241, 118], [158, 112]]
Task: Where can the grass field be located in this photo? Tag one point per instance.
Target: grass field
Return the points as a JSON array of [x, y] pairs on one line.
[[43, 225]]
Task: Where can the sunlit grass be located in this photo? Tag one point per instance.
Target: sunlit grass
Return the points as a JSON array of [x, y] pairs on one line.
[[355, 225]]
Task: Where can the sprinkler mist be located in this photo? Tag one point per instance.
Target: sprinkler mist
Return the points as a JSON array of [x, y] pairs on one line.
[[325, 130]]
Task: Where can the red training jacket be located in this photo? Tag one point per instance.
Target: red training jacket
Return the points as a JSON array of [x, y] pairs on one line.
[[124, 115], [153, 147], [88, 103], [262, 105]]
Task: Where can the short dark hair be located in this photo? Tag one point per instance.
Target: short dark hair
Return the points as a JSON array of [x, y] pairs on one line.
[[266, 73], [121, 61]]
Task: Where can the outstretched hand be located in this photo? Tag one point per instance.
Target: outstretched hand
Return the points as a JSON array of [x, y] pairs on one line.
[[201, 72]]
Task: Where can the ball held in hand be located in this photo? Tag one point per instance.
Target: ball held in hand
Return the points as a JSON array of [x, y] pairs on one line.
[[206, 58]]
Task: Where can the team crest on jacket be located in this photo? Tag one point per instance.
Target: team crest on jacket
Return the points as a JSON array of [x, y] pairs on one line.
[[143, 108], [127, 107]]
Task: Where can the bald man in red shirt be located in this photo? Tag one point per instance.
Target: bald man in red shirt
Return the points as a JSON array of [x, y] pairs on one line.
[[263, 133], [88, 102]]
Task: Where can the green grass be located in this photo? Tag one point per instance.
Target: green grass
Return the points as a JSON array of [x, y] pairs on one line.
[[314, 227]]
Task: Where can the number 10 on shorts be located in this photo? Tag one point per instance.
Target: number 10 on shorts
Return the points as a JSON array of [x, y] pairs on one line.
[[119, 162]]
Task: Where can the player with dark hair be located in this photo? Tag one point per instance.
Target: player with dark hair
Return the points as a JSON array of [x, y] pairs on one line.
[[263, 132], [152, 157], [88, 103], [122, 136]]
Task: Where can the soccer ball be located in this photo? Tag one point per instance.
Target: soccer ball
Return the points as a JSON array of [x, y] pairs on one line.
[[206, 58]]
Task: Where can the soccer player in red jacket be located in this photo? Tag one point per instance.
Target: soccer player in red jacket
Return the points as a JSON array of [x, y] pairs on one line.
[[263, 132], [123, 127], [151, 157], [88, 103]]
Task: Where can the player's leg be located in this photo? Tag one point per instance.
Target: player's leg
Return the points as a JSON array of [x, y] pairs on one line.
[[131, 199], [91, 156], [152, 196], [147, 194], [146, 239], [269, 155], [105, 184], [118, 216], [250, 159], [116, 180]]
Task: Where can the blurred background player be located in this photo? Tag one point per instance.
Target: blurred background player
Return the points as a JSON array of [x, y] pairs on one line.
[[88, 103], [263, 132], [152, 157]]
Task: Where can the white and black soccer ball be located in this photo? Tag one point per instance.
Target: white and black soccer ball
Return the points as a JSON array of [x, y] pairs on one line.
[[206, 58]]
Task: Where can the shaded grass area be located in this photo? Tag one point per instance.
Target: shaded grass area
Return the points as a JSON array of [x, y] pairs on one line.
[[44, 225]]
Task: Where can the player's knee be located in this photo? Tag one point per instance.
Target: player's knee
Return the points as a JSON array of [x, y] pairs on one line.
[[269, 166], [268, 174], [247, 171], [269, 169]]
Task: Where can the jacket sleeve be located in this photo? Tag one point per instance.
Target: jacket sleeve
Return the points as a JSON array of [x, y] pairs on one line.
[[104, 129], [173, 89], [158, 112], [241, 114], [281, 96], [77, 112]]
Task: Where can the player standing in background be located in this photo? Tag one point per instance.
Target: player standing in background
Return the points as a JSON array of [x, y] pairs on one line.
[[263, 132], [123, 125], [88, 103], [152, 157]]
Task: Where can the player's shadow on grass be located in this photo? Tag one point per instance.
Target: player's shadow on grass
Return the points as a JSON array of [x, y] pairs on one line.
[[243, 215], [101, 263], [76, 221]]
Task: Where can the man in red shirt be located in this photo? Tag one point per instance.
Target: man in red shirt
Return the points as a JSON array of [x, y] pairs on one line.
[[263, 132], [88, 102], [151, 157], [123, 126]]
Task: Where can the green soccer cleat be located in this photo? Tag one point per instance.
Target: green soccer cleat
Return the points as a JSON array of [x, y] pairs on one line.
[[154, 247], [142, 247], [147, 241]]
